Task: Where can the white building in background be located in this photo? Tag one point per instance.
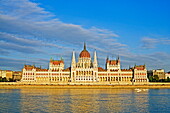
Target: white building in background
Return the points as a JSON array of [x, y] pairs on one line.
[[85, 70], [167, 75]]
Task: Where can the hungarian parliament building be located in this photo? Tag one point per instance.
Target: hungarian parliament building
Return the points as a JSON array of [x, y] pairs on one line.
[[85, 70]]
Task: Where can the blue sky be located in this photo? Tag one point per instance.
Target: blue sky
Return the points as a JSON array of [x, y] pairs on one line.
[[33, 31]]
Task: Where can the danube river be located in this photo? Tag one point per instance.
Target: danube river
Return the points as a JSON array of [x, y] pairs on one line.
[[84, 100]]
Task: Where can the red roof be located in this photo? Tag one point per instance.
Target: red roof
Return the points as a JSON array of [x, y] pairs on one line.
[[56, 62], [38, 69], [113, 62], [141, 67], [101, 69], [29, 67], [68, 69]]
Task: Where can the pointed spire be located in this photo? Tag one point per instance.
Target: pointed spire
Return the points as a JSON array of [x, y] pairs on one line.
[[61, 58], [118, 58], [73, 57], [95, 57], [107, 59], [73, 63], [144, 65], [84, 46], [95, 64], [129, 67]]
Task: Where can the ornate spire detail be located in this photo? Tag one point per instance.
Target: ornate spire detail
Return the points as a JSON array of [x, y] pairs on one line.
[[107, 59], [118, 58], [73, 63], [95, 59], [62, 58], [84, 53], [84, 46]]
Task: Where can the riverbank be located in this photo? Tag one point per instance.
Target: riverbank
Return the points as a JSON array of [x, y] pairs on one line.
[[83, 86]]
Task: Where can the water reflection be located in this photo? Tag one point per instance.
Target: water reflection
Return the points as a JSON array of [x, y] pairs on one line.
[[9, 100], [83, 100]]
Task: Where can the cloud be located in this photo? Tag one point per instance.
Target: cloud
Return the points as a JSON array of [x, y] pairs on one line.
[[4, 52], [17, 64], [23, 9], [16, 22], [149, 43], [55, 30], [27, 28], [165, 41], [15, 39], [23, 49], [103, 32]]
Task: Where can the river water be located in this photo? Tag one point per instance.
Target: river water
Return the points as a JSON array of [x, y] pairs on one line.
[[84, 100]]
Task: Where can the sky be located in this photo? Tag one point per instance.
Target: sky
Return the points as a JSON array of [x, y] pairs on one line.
[[33, 31]]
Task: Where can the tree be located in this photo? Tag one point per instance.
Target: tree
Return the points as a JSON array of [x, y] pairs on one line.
[[4, 79], [168, 79], [150, 78], [156, 78]]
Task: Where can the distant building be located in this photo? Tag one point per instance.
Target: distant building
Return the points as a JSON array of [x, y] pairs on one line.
[[17, 75], [167, 75], [160, 73], [9, 74], [85, 70], [6, 74], [3, 73]]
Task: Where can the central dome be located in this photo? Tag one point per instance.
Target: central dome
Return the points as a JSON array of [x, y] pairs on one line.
[[84, 53]]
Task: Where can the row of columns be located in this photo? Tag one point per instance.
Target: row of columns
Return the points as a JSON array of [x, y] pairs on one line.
[[110, 79], [84, 78], [145, 80], [62, 79], [84, 72]]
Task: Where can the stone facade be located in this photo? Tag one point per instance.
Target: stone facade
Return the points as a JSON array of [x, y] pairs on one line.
[[160, 73], [8, 74], [85, 70], [17, 75], [167, 75]]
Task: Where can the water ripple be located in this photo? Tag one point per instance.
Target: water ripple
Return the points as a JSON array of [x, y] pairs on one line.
[[83, 100]]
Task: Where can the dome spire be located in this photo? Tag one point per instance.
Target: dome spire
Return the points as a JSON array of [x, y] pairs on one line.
[[85, 53], [84, 46]]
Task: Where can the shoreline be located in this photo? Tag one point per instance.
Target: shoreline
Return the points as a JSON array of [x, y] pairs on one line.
[[85, 86]]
